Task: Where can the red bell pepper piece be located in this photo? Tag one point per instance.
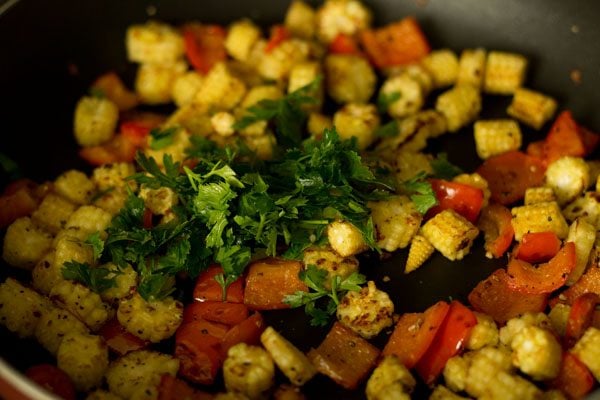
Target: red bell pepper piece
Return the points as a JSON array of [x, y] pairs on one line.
[[588, 283], [119, 340], [216, 311], [136, 132], [344, 44], [248, 331], [581, 316], [118, 149], [279, 34], [171, 388], [574, 379], [567, 138], [536, 247], [204, 46], [19, 204], [414, 333], [52, 379], [547, 277], [448, 341], [510, 174], [496, 223], [464, 199], [493, 296], [113, 88], [208, 289]]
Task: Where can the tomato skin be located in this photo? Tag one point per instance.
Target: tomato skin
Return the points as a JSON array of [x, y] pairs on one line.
[[547, 277], [119, 340], [53, 379], [510, 174], [204, 46], [464, 199], [414, 333], [536, 247], [216, 311], [208, 289], [344, 44], [279, 34], [581, 317], [496, 223], [574, 379], [136, 132]]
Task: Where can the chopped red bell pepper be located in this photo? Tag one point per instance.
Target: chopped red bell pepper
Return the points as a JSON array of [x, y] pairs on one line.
[[448, 341], [118, 149], [171, 388], [574, 379], [581, 316], [414, 333], [52, 379], [344, 44], [496, 223], [464, 199], [208, 289], [588, 283], [545, 278], [16, 205], [216, 311], [248, 331], [567, 138], [493, 296], [113, 88], [204, 46], [119, 340], [536, 247], [510, 174], [279, 34]]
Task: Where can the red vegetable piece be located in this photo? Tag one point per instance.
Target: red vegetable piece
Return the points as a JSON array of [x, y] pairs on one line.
[[119, 340], [510, 174], [117, 149], [204, 46], [536, 247], [344, 356], [344, 44], [574, 379], [279, 34], [171, 388], [198, 348], [588, 283], [269, 280], [414, 333], [113, 88], [208, 289], [464, 199], [136, 132], [581, 317], [567, 138], [16, 205], [495, 222], [216, 311], [247, 331], [52, 379], [448, 341], [494, 297], [547, 277]]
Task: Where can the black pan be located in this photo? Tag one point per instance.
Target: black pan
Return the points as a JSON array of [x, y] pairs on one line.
[[50, 51]]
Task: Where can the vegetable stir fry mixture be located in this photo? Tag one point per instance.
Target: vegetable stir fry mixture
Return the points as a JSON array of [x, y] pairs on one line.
[[285, 156]]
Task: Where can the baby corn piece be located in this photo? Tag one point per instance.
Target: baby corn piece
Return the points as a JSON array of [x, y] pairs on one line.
[[531, 107], [583, 234], [300, 19], [396, 222], [471, 68], [241, 37], [84, 358], [150, 320], [53, 325], [95, 121], [587, 349], [21, 308], [75, 186], [390, 380], [154, 43], [443, 67], [540, 217], [568, 177], [53, 213], [82, 302], [504, 72], [409, 92], [494, 137], [477, 181], [460, 105], [25, 244], [535, 195], [420, 250], [450, 234], [585, 207]]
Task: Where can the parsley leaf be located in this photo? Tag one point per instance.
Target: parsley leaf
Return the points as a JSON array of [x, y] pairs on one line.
[[388, 130], [98, 279], [97, 93], [162, 138], [385, 99], [97, 244], [444, 169], [315, 279], [420, 192]]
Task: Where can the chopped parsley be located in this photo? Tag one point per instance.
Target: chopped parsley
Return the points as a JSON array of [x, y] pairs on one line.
[[388, 130], [98, 279], [444, 169], [162, 138], [420, 192], [385, 99]]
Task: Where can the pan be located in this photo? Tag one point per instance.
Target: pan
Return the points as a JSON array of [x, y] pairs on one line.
[[51, 51]]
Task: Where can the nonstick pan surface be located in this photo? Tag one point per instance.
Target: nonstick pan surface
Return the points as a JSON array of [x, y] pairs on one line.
[[50, 51]]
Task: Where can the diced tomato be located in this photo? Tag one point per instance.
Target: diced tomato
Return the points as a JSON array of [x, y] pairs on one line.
[[216, 311], [574, 379], [119, 340], [536, 247], [588, 283], [496, 223], [16, 205], [545, 278], [208, 289], [399, 43], [448, 341], [269, 280], [567, 138], [581, 317], [344, 356], [198, 348], [135, 132], [464, 199], [52, 379], [113, 88], [118, 149], [414, 333], [171, 388], [279, 34], [344, 44], [510, 174], [494, 297], [247, 331], [204, 46], [20, 184]]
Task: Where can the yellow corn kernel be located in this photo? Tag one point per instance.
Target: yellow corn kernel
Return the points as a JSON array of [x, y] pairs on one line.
[[152, 320], [535, 195], [396, 222], [540, 217], [21, 307], [409, 92], [82, 302], [485, 333], [25, 244], [584, 207], [498, 136], [451, 234], [568, 177], [531, 108], [75, 186], [471, 68], [504, 72], [95, 121], [460, 105], [443, 67], [420, 250]]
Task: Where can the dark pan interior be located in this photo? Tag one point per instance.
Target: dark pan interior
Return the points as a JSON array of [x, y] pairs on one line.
[[51, 51]]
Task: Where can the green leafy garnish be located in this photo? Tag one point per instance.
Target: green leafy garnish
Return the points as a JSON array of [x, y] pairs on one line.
[[385, 99], [97, 93], [420, 192], [315, 279], [98, 279], [444, 169], [97, 244], [388, 130], [162, 138]]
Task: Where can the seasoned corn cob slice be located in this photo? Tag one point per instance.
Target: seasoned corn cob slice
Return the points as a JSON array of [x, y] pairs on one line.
[[284, 392], [456, 372], [95, 121], [277, 64], [341, 16], [583, 234], [359, 121], [70, 249], [248, 370], [222, 123], [587, 349], [139, 370], [537, 353], [82, 302], [407, 164], [154, 82], [154, 43], [450, 233], [329, 260], [341, 71], [485, 333], [585, 207], [125, 283], [46, 274], [504, 72], [471, 68], [540, 217], [89, 220], [258, 93], [535, 195], [53, 212], [390, 380], [303, 74], [221, 89], [21, 308], [300, 20], [409, 92], [111, 176], [241, 37], [531, 107], [415, 71], [441, 392], [75, 186], [396, 222], [151, 320], [507, 386], [517, 324], [558, 315], [460, 105], [160, 200], [366, 312], [420, 250], [25, 244], [498, 136], [443, 67], [345, 239], [568, 177], [53, 325], [102, 395], [484, 365], [84, 358], [476, 181], [291, 361], [185, 87]]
